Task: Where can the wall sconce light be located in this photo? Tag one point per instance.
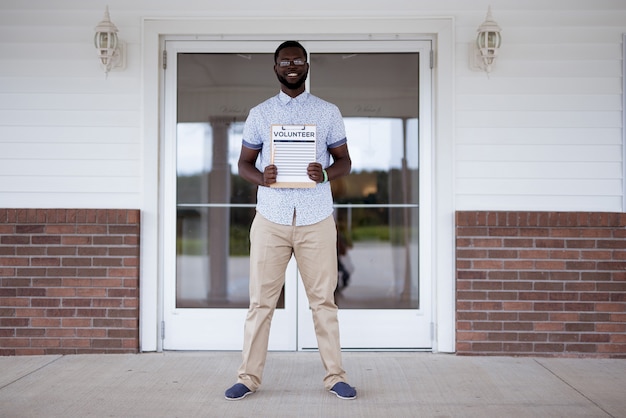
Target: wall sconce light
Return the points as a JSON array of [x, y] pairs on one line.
[[109, 48], [485, 49]]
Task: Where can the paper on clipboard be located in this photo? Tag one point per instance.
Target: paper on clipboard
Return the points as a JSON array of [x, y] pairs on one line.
[[293, 148]]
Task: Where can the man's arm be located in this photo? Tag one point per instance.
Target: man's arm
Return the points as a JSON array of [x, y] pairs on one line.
[[248, 170]]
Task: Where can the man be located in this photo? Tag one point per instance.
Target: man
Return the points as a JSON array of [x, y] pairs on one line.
[[295, 221]]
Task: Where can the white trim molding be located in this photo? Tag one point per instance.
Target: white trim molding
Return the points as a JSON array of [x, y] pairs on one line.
[[624, 122]]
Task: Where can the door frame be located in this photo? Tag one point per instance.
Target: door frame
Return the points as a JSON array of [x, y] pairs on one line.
[[440, 30], [187, 328]]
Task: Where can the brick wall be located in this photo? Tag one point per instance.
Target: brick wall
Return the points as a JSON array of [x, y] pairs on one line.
[[69, 281], [541, 283]]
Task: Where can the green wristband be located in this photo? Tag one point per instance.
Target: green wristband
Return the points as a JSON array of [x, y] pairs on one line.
[[325, 176]]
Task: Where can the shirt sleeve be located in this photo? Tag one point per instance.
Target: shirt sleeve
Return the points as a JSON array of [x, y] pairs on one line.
[[337, 133], [251, 137]]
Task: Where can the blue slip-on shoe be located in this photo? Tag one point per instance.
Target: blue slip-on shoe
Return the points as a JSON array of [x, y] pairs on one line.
[[343, 390], [237, 391]]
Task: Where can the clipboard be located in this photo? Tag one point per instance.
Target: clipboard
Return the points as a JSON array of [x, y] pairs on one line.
[[293, 148]]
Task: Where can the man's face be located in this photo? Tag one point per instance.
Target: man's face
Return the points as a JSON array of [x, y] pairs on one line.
[[294, 70]]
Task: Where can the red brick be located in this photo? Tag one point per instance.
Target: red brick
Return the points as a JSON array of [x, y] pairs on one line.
[[131, 262], [557, 337], [46, 240], [58, 313], [76, 322], [511, 348], [596, 255], [108, 240], [612, 328], [463, 326], [60, 229], [28, 251], [486, 285], [76, 342], [580, 265], [108, 261], [471, 253], [504, 232], [107, 343], [549, 326], [45, 322], [580, 327], [93, 313], [91, 332], [585, 287], [486, 347], [611, 265], [123, 230], [29, 229], [549, 348], [533, 295], [595, 338], [14, 261], [503, 275], [519, 264], [581, 243], [13, 301], [533, 336], [595, 296], [518, 243], [563, 296], [30, 312], [610, 307], [77, 240], [63, 292], [76, 302], [14, 240], [91, 229], [581, 348], [534, 232], [63, 333], [45, 342], [502, 336], [532, 254], [123, 272], [14, 322], [578, 306], [517, 306]]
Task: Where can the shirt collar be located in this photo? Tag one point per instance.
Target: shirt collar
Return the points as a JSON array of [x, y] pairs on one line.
[[285, 98]]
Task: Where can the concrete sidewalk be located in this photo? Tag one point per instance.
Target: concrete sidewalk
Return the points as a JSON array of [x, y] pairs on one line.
[[175, 384]]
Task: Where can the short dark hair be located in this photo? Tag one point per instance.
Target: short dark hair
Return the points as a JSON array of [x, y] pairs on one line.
[[290, 44]]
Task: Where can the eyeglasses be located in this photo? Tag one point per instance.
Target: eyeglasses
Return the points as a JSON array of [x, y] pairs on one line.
[[287, 63]]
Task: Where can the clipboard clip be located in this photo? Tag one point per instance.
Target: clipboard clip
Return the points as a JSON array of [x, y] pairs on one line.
[[293, 128]]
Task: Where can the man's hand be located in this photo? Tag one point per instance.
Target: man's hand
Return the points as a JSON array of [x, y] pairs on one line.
[[314, 170], [269, 175]]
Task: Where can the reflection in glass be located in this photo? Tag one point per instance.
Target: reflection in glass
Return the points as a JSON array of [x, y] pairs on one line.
[[377, 215], [376, 206]]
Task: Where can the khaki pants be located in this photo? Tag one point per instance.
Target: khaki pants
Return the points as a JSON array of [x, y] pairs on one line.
[[314, 247]]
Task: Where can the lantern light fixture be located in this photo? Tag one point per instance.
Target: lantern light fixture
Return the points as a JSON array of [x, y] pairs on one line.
[[110, 49], [487, 45]]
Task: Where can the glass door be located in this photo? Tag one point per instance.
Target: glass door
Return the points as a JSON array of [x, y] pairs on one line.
[[208, 208], [382, 89]]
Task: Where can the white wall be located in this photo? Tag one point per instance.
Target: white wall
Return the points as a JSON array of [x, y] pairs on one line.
[[543, 132]]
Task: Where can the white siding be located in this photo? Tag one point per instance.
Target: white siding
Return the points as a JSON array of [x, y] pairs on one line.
[[542, 132], [69, 137]]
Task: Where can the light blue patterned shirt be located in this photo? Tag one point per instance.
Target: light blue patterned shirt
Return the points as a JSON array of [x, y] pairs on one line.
[[311, 205]]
